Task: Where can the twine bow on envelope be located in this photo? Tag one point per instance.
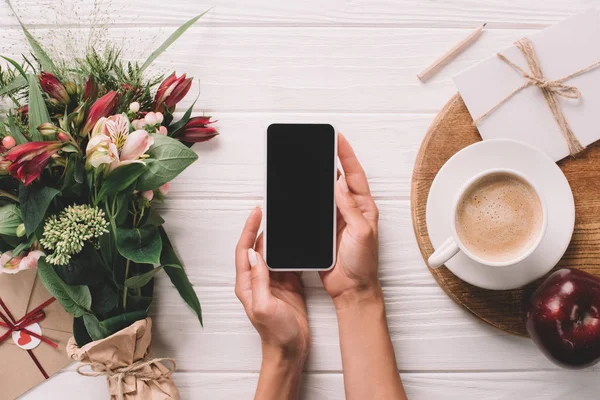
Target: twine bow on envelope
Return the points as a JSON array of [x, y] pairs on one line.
[[550, 88], [13, 325]]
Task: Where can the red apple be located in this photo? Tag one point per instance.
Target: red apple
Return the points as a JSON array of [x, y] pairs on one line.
[[563, 318]]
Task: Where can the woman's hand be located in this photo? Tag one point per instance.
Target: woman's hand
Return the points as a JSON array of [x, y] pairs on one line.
[[274, 302], [355, 271]]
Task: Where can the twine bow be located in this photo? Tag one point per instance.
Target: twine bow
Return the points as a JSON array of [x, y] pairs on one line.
[[550, 88], [135, 370], [35, 315]]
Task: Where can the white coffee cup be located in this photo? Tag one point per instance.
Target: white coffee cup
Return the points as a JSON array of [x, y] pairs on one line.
[[453, 245]]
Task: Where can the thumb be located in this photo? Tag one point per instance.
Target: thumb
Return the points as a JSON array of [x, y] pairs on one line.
[[260, 282], [347, 205]]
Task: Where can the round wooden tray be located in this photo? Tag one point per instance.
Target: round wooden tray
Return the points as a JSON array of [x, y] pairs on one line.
[[453, 130]]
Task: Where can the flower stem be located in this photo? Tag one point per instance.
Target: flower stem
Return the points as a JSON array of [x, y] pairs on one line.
[[124, 286]]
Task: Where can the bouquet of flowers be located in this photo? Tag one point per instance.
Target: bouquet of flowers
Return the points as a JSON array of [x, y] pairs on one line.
[[88, 148]]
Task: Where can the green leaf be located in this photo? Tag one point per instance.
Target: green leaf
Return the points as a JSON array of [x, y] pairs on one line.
[[85, 268], [16, 65], [140, 245], [174, 128], [38, 112], [153, 218], [139, 303], [17, 84], [10, 219], [45, 61], [170, 40], [178, 276], [80, 333], [94, 328], [168, 158], [139, 281], [114, 324], [104, 299], [15, 132], [120, 179], [35, 201], [76, 300]]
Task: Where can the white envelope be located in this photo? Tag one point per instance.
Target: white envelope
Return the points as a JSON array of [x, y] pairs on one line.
[[561, 50]]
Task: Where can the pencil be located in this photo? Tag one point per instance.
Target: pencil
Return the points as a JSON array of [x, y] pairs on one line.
[[450, 54]]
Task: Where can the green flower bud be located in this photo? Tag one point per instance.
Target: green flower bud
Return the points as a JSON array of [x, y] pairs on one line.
[[21, 230]]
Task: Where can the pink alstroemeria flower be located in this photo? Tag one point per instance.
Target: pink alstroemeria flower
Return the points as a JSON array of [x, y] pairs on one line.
[[12, 265], [113, 144]]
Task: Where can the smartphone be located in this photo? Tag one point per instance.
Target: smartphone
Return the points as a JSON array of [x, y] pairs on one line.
[[300, 214]]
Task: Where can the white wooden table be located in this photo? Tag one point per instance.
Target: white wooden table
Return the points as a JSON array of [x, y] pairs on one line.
[[352, 63]]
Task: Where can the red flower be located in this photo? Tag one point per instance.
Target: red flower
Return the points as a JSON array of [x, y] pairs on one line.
[[51, 85], [171, 92], [196, 130], [105, 106], [23, 110], [29, 159], [91, 89]]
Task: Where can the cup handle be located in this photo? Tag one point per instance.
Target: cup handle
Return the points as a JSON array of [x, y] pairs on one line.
[[446, 251]]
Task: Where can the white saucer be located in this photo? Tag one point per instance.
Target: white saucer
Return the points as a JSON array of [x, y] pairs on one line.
[[540, 169]]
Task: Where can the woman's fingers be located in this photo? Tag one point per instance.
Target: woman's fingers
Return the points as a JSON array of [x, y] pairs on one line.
[[247, 239], [261, 286], [242, 266], [260, 244], [355, 175], [347, 205]]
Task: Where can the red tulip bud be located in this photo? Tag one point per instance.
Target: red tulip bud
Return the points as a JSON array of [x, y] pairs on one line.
[[170, 92], [23, 110], [51, 85], [105, 106], [91, 89], [196, 130]]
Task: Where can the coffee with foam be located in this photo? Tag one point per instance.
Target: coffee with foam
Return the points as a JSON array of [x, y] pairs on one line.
[[499, 217]]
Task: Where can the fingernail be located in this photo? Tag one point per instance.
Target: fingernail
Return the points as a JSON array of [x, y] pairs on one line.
[[252, 257], [343, 184]]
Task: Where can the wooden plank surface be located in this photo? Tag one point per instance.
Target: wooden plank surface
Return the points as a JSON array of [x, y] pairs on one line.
[[352, 63], [530, 385], [369, 13]]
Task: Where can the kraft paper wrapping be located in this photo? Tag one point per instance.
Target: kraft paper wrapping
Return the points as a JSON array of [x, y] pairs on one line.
[[124, 348], [22, 293]]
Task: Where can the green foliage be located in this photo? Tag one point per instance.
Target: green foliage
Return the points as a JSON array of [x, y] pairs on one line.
[[15, 132], [178, 276], [85, 268], [10, 219], [35, 200], [139, 281], [168, 158], [120, 179], [76, 300], [140, 245], [38, 112]]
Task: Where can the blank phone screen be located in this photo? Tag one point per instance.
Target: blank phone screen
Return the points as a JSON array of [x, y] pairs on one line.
[[301, 173]]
